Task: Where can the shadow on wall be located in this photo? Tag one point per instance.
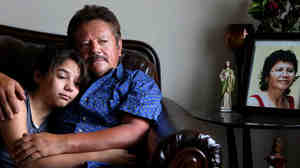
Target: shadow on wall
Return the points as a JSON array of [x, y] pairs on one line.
[[214, 54]]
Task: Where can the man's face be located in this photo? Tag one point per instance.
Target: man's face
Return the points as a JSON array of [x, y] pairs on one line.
[[97, 44]]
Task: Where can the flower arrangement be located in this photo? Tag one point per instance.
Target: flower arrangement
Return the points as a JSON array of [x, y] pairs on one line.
[[276, 15]]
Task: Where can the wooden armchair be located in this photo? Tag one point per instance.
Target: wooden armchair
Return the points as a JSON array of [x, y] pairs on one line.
[[164, 145]]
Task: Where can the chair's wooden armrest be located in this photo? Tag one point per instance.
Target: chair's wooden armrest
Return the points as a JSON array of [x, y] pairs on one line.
[[185, 149], [173, 146]]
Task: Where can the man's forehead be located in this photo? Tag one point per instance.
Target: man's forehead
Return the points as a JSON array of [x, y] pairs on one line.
[[93, 31], [94, 25]]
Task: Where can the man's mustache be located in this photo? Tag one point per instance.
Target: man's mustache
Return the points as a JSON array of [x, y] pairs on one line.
[[93, 57]]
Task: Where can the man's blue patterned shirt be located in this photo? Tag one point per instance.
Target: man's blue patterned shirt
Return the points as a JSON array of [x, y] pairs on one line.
[[118, 92]]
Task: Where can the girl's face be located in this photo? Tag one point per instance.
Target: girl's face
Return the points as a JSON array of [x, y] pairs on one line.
[[61, 85], [281, 76]]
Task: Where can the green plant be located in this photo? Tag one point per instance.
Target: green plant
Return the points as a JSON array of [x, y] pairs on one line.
[[276, 15]]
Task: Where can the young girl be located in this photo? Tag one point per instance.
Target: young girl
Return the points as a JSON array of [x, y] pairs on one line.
[[58, 75]]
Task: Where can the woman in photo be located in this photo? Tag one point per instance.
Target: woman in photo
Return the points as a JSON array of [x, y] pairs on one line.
[[278, 75], [58, 77]]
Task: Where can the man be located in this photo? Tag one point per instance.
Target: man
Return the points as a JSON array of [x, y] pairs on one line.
[[115, 110]]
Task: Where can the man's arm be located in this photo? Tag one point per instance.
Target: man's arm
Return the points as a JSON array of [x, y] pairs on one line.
[[122, 136]]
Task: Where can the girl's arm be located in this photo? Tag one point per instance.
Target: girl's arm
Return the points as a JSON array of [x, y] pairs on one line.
[[113, 156], [13, 129]]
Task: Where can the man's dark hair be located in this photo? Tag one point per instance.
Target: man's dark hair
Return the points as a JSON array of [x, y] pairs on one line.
[[52, 57], [89, 13], [276, 56]]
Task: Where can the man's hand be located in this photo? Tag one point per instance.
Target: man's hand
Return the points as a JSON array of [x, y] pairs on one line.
[[35, 146], [10, 92]]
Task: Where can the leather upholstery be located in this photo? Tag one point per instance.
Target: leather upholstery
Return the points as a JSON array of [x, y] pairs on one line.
[[132, 59]]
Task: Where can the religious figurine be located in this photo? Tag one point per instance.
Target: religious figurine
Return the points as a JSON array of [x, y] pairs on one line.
[[275, 159], [227, 86]]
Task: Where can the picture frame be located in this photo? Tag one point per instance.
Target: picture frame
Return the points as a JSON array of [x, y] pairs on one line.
[[256, 98]]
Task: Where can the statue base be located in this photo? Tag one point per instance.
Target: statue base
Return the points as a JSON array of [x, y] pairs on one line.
[[225, 109]]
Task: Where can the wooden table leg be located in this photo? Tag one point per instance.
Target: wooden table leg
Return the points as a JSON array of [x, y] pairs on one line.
[[247, 152], [232, 153]]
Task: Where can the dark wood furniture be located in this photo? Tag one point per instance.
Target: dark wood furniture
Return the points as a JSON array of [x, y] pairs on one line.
[[261, 120], [248, 121], [165, 146], [230, 121]]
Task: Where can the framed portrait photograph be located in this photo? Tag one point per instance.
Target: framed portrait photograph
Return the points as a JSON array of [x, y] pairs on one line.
[[272, 73]]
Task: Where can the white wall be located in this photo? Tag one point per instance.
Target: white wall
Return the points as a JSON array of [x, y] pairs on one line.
[[188, 36]]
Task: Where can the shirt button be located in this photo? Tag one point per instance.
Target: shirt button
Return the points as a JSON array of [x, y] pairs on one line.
[[83, 118]]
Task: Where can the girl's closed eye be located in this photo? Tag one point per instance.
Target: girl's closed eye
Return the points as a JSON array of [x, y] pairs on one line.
[[62, 74]]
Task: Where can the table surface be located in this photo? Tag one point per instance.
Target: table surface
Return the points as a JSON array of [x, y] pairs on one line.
[[260, 120]]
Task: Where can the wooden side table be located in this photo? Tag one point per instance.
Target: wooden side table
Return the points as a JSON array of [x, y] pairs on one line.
[[229, 120], [259, 120]]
